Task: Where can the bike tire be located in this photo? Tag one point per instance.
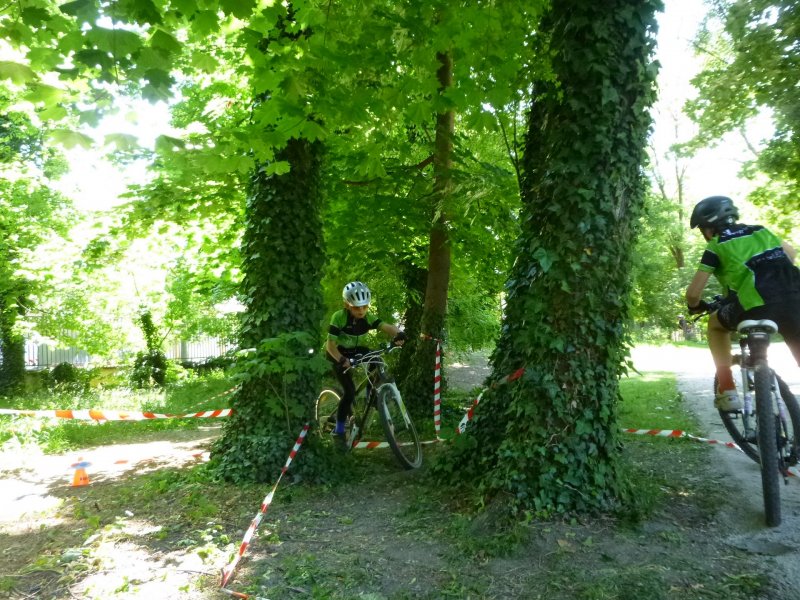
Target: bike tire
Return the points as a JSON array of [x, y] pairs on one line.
[[325, 410], [793, 408], [750, 448], [398, 427], [768, 444]]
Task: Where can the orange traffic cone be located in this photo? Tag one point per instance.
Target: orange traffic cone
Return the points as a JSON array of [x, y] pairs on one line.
[[80, 478]]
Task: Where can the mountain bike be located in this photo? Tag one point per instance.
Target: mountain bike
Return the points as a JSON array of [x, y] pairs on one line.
[[375, 390], [766, 428]]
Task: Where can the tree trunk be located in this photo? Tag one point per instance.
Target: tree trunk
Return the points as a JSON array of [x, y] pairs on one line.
[[419, 385], [283, 260], [12, 352], [547, 441]]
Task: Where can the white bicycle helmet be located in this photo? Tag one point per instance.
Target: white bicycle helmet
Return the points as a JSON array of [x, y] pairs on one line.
[[356, 293]]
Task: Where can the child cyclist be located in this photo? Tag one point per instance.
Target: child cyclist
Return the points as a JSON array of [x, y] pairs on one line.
[[760, 280], [347, 337]]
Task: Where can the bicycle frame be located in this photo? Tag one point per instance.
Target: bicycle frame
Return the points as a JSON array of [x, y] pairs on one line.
[[747, 368], [374, 371]]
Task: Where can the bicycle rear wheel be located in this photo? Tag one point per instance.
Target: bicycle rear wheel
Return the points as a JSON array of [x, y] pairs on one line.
[[768, 444], [733, 423], [325, 410], [398, 428]]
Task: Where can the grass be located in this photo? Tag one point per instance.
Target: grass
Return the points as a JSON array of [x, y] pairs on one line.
[[57, 435], [387, 534]]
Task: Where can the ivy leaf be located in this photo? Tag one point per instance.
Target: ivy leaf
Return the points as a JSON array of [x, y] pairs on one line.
[[70, 139], [18, 74], [544, 259], [610, 95]]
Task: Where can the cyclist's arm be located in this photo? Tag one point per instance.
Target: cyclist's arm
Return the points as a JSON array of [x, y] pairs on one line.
[[332, 349], [790, 252], [694, 293], [389, 329]]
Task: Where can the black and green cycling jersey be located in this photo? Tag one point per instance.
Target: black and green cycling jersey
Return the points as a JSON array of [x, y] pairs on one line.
[[349, 332], [750, 261]]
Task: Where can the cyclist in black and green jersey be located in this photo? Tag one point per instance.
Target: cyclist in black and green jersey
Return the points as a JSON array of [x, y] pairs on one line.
[[347, 337], [757, 271]]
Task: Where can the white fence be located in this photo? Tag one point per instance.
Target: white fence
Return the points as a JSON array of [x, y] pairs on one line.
[[40, 355]]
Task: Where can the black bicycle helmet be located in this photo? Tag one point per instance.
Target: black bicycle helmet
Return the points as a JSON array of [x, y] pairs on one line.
[[714, 212]]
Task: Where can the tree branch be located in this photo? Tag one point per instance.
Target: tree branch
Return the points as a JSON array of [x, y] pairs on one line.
[[417, 167]]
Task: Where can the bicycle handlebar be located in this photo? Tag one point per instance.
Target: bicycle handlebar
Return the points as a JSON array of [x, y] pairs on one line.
[[373, 357]]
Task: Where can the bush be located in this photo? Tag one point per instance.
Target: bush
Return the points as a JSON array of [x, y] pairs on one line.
[[66, 377], [149, 368]]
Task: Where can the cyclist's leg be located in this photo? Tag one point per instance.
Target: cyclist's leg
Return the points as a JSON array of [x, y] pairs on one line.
[[349, 394], [720, 324], [787, 316]]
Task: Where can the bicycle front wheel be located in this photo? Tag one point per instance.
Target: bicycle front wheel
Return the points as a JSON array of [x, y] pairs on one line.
[[398, 428], [325, 410], [768, 443]]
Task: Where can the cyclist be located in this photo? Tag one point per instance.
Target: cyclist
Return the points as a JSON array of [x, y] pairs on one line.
[[756, 270], [346, 338]]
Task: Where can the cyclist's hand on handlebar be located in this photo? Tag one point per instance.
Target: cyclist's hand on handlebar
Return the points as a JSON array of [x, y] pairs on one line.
[[345, 363], [701, 308], [399, 339]]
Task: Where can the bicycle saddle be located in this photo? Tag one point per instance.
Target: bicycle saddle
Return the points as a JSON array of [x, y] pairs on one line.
[[757, 324]]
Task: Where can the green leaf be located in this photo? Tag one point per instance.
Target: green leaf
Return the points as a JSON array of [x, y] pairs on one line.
[[313, 131], [18, 74], [238, 8], [544, 259], [71, 139], [205, 22], [122, 141], [204, 62], [83, 9], [35, 17], [161, 40], [165, 144], [45, 94], [53, 113], [279, 167]]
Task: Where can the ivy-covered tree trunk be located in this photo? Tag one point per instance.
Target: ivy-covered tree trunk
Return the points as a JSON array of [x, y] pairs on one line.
[[12, 352], [548, 440], [419, 385], [283, 259]]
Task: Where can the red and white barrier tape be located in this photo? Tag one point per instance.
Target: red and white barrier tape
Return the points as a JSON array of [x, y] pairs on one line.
[[115, 415], [437, 390], [677, 433], [228, 571]]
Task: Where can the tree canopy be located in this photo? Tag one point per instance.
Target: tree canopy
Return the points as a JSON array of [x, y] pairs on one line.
[[752, 53]]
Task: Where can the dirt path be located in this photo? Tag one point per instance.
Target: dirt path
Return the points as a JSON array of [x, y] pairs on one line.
[[324, 536], [746, 520]]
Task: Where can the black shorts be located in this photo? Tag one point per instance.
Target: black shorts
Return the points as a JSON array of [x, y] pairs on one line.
[[786, 315]]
